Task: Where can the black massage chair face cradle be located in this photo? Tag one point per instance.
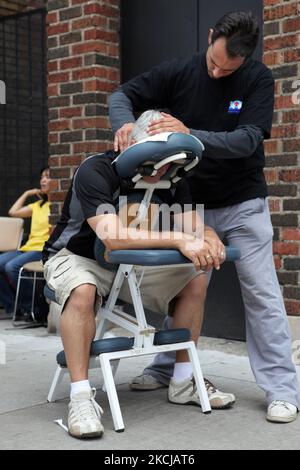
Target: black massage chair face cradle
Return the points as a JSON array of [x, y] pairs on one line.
[[180, 151]]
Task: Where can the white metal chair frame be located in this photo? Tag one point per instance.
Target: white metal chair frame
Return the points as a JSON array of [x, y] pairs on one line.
[[26, 272], [143, 333]]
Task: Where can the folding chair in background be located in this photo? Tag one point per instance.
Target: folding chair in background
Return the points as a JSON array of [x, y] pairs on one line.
[[11, 235]]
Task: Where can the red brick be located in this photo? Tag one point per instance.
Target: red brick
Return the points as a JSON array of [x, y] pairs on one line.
[[289, 175], [293, 24], [89, 73], [58, 77], [54, 161], [291, 116], [277, 261], [58, 29], [58, 196], [291, 145], [61, 172], [52, 66], [291, 234], [101, 10], [96, 20], [98, 85], [292, 307], [280, 11], [292, 55], [52, 17], [113, 50], [281, 248], [91, 123], [53, 90], [70, 112], [87, 147], [106, 146], [271, 146], [271, 175], [95, 46], [59, 125], [273, 58], [93, 34], [271, 2], [71, 63], [274, 205], [113, 75], [282, 102], [277, 88], [281, 42], [53, 137], [71, 160], [54, 184], [284, 131]]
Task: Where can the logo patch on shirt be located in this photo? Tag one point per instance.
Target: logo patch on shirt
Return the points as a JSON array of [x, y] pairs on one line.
[[235, 106]]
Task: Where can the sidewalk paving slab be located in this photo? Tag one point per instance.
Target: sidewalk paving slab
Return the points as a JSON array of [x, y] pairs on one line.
[[27, 420]]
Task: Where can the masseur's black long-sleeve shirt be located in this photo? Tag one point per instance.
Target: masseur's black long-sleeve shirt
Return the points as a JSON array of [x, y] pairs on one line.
[[231, 116]]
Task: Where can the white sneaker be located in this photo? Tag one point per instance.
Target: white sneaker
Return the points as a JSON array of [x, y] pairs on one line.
[[185, 393], [281, 411], [218, 399], [84, 416]]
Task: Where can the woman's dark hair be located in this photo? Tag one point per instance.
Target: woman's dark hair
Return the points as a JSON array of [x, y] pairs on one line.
[[44, 169], [241, 30], [44, 197]]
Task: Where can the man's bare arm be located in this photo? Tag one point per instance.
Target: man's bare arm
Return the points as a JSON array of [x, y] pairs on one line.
[[115, 236]]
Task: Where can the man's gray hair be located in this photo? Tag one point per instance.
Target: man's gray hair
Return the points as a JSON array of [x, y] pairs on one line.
[[140, 128]]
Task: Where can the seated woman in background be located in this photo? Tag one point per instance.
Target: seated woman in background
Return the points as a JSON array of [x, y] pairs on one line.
[[11, 262]]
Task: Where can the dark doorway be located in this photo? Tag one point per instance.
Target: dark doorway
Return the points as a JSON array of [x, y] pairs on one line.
[[156, 30], [23, 119]]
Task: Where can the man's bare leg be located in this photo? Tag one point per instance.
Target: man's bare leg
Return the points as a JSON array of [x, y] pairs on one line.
[[189, 314], [189, 310], [78, 328]]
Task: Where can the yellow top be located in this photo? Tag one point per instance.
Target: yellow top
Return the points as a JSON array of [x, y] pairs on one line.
[[40, 227]]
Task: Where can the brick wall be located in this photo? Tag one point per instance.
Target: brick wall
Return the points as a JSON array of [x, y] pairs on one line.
[[83, 69], [282, 55]]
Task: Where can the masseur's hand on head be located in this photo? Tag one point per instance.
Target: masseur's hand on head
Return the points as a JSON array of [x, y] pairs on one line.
[[122, 137], [168, 123]]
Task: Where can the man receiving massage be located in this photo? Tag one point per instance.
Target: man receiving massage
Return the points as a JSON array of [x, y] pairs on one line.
[[78, 280]]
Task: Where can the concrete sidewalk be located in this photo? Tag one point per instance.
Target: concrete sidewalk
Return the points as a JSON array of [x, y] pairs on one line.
[[27, 420]]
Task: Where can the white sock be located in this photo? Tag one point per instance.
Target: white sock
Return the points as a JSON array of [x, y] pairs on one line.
[[81, 386], [182, 371]]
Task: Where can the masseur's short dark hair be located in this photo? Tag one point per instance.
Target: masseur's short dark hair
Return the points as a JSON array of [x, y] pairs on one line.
[[241, 30]]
